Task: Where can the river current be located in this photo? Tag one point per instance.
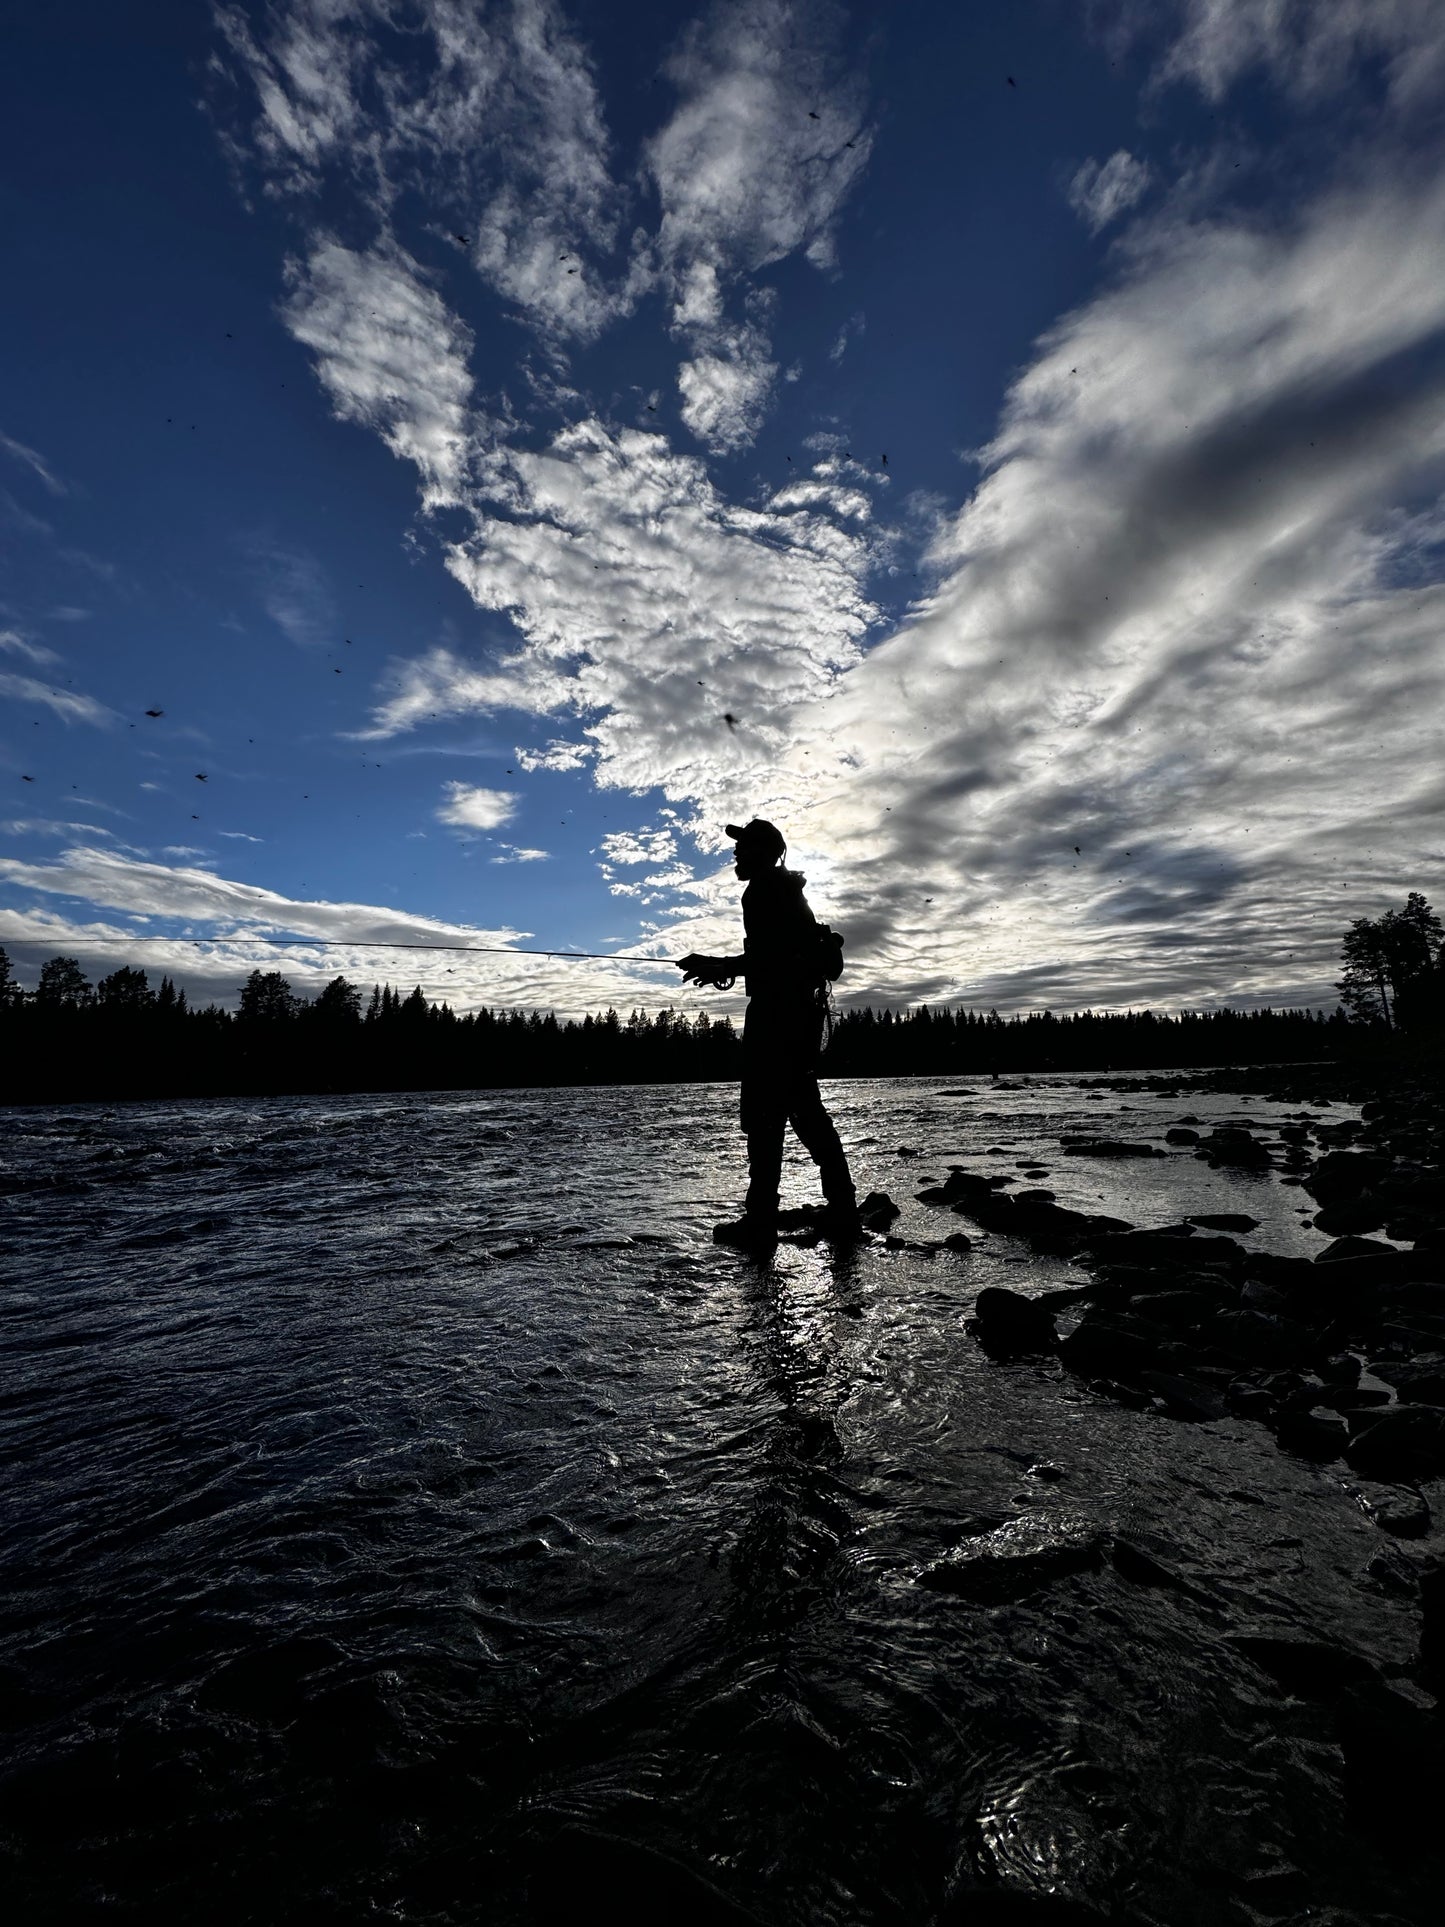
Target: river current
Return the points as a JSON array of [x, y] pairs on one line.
[[413, 1516]]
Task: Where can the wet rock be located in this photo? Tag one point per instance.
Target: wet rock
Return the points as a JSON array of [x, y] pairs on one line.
[[1349, 1218], [1418, 1381], [1400, 1445], [1432, 1629], [1260, 1338], [1343, 1368], [1181, 1134], [1394, 1753], [1382, 1267], [1104, 1345], [1180, 1308], [1109, 1147], [1290, 1275], [958, 1241], [1250, 1400], [1236, 1148], [1255, 1296], [1224, 1221], [1342, 1175], [1166, 1251], [1009, 1321], [878, 1210], [1031, 1551], [1314, 1433], [1397, 1509], [1308, 1668], [1352, 1248], [1185, 1398]]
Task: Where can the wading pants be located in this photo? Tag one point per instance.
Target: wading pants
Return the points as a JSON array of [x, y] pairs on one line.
[[779, 1087]]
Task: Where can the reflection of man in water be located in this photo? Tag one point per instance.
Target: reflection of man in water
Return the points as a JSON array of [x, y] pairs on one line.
[[786, 972]]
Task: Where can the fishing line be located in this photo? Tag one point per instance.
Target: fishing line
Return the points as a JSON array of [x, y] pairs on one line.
[[365, 943]]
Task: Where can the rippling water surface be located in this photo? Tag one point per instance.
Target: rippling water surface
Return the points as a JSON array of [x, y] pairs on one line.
[[412, 1515]]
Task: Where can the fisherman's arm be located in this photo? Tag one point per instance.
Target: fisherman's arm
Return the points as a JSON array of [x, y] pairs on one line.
[[710, 970]]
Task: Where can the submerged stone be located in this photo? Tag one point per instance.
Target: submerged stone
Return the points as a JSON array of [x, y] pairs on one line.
[[1008, 1320], [1031, 1551]]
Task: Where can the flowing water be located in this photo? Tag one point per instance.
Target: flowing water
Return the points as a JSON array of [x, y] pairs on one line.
[[413, 1516]]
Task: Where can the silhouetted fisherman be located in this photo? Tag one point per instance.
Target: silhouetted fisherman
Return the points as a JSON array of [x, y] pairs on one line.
[[787, 967]]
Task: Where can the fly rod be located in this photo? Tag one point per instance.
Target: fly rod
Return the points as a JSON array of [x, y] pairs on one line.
[[367, 943]]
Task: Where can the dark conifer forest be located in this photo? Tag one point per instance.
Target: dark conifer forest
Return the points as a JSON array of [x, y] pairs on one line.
[[68, 1039], [122, 1038]]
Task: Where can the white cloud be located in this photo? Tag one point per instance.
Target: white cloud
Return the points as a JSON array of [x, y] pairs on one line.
[[441, 684], [469, 807], [1184, 625], [755, 164], [68, 704], [650, 604], [15, 644], [639, 846], [492, 114], [1310, 47], [764, 147], [295, 593], [390, 355], [229, 912], [725, 397], [35, 462], [1100, 193], [240, 836], [516, 853], [558, 755]]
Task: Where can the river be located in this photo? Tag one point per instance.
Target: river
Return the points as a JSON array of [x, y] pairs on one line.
[[413, 1516]]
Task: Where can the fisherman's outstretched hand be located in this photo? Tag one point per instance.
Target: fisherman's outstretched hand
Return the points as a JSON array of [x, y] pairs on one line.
[[701, 970]]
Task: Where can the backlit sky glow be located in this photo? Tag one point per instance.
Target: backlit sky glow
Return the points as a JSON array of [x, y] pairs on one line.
[[450, 414]]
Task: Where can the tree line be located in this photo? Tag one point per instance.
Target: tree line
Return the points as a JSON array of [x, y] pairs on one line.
[[121, 1038]]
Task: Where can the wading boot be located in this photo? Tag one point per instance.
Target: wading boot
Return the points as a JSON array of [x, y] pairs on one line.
[[751, 1232], [840, 1223]]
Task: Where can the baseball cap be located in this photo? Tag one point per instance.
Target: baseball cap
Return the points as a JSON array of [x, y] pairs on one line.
[[759, 834]]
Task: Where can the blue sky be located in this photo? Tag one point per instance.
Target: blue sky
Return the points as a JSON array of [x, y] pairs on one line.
[[448, 415]]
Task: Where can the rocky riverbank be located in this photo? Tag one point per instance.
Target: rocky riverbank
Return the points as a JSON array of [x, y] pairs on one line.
[[1343, 1356]]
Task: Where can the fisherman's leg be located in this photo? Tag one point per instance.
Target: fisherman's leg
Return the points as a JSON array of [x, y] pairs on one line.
[[819, 1135], [764, 1118]]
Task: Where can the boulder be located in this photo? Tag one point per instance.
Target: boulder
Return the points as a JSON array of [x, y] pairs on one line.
[[1258, 1338], [1109, 1147], [1352, 1248], [1342, 1175], [1181, 1134], [1179, 1308], [878, 1210], [1017, 1558], [1185, 1398], [1349, 1218], [1397, 1509], [1165, 1250], [1418, 1381], [1010, 1321], [1108, 1345], [1236, 1148], [1315, 1432], [1400, 1445], [958, 1241]]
